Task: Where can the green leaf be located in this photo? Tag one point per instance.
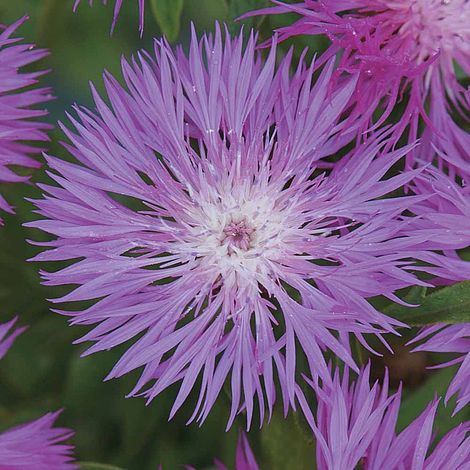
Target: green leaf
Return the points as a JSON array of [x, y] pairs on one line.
[[167, 13], [447, 305], [414, 403], [239, 7], [97, 466], [286, 443]]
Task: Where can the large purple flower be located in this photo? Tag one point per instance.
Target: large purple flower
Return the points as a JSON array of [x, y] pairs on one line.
[[399, 47], [17, 101], [117, 9], [36, 445], [204, 232], [355, 425]]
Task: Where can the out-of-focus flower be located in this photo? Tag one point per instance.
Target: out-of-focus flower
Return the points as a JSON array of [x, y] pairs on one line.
[[203, 230], [17, 101], [355, 425], [37, 445], [7, 336], [117, 9], [399, 47]]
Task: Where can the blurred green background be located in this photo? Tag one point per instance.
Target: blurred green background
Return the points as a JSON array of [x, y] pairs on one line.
[[43, 371]]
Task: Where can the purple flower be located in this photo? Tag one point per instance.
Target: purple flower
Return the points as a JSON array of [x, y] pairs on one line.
[[17, 107], [355, 425], [117, 9], [399, 46], [36, 445], [206, 235]]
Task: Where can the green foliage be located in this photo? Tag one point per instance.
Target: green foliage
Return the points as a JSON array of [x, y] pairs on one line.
[[287, 443], [167, 13], [447, 305], [97, 466]]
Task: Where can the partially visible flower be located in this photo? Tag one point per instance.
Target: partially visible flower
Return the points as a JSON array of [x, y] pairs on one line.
[[451, 339], [442, 219], [203, 228], [355, 425], [17, 101], [36, 445], [117, 9], [245, 459], [399, 47], [6, 340]]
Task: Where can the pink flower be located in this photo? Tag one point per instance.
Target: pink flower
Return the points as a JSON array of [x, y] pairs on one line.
[[399, 47], [203, 229], [17, 113]]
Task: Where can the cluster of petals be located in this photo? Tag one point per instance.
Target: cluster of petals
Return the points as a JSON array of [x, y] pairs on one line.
[[207, 234], [399, 47], [18, 97], [356, 425], [117, 9], [36, 445]]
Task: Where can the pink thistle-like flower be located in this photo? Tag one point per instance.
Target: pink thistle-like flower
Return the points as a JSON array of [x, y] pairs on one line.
[[36, 445], [117, 9], [17, 107], [355, 425], [205, 233], [399, 47]]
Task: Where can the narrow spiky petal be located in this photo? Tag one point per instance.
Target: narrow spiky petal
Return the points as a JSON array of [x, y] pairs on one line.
[[8, 336], [117, 9]]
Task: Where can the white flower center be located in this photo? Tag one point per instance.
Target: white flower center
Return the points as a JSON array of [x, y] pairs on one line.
[[436, 25], [241, 230]]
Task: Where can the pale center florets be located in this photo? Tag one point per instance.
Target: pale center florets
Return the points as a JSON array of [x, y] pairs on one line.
[[435, 25], [240, 233]]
